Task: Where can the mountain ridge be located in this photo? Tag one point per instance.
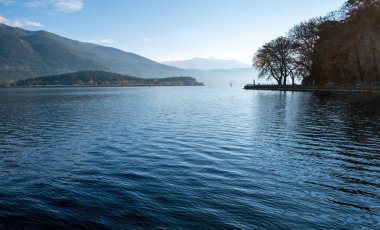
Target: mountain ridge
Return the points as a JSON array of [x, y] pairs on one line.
[[28, 54]]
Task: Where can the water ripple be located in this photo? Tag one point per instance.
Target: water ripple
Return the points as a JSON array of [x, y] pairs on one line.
[[188, 158]]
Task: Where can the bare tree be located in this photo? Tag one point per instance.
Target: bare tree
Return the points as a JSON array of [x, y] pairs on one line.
[[274, 60], [304, 37]]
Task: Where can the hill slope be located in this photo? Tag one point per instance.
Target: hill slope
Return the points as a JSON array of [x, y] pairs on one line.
[[27, 54]]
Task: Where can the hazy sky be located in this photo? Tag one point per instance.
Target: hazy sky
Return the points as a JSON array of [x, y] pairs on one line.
[[168, 29]]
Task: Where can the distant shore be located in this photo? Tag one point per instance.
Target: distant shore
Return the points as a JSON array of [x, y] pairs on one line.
[[95, 78], [90, 86], [301, 88]]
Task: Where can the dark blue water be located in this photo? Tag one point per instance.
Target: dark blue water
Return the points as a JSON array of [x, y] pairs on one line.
[[188, 158]]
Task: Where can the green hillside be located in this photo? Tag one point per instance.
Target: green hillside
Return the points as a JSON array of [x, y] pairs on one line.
[[28, 54]]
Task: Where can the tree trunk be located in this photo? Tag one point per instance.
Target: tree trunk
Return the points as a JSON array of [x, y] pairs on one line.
[[279, 81], [359, 67], [375, 63]]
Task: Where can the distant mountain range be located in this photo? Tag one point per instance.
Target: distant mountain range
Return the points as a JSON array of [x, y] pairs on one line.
[[206, 64], [216, 72], [29, 54]]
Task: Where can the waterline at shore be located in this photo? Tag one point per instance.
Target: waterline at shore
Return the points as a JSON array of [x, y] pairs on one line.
[[311, 88]]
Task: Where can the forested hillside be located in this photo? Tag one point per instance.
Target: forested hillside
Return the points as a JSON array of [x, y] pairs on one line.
[[348, 51], [340, 49]]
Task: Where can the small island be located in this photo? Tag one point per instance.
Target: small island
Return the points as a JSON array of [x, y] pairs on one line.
[[102, 79]]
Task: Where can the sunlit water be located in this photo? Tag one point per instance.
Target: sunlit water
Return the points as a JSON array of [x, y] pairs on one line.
[[188, 158]]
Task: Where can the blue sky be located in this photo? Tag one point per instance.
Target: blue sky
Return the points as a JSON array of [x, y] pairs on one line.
[[168, 29]]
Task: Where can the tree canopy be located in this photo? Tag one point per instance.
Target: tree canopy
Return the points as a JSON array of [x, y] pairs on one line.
[[274, 60], [342, 48]]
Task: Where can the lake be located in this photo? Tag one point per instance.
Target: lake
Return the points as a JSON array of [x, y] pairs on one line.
[[188, 158]]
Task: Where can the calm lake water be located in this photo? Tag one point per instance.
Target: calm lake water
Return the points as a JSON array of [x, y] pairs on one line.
[[188, 158]]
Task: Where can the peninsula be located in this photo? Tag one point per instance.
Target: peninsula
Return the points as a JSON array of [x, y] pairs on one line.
[[102, 78]]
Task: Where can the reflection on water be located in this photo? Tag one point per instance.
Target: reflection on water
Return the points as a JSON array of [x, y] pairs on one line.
[[190, 157]]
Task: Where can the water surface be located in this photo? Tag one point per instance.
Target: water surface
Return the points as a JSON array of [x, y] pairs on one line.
[[188, 158]]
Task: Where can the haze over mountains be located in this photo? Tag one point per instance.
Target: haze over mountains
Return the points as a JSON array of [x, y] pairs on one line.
[[206, 64], [28, 54], [216, 72]]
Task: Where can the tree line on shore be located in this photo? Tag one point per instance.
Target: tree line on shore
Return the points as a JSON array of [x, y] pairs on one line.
[[340, 49], [102, 78]]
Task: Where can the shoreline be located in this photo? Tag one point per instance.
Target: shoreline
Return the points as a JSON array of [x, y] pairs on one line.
[[91, 86], [300, 88]]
